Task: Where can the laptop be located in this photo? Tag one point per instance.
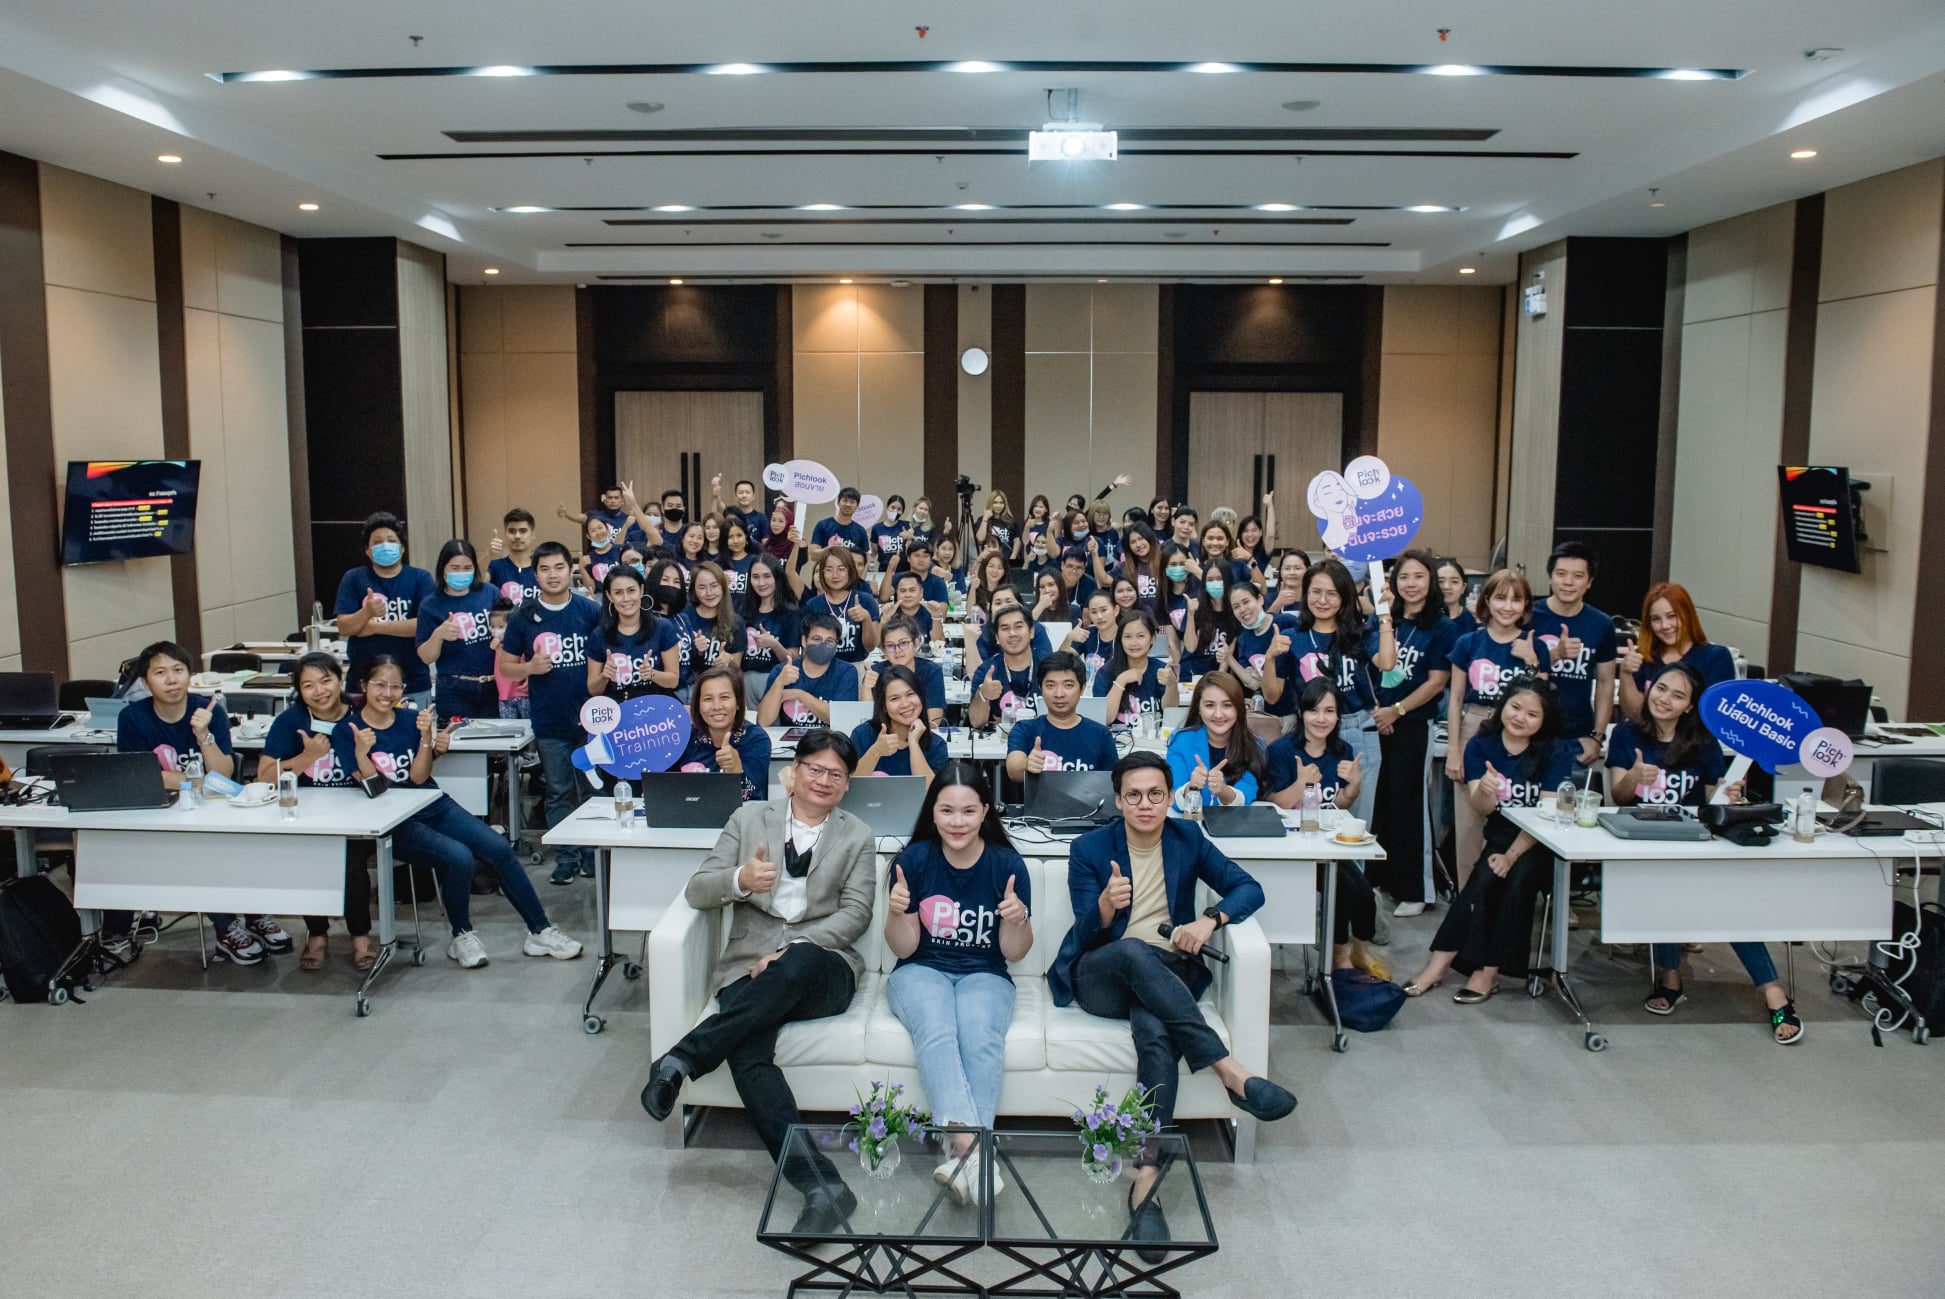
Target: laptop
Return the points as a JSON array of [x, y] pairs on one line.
[[1636, 823], [1077, 796], [1845, 705], [675, 800], [29, 701], [1874, 824], [105, 714], [1250, 821], [1173, 718], [1093, 709], [108, 782], [888, 804], [847, 715]]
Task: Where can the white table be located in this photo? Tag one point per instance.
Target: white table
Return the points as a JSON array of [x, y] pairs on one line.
[[277, 655], [1836, 889], [14, 742], [221, 858], [1869, 750]]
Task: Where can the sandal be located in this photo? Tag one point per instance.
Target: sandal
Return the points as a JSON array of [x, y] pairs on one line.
[[1663, 1000], [1418, 989], [1785, 1016], [363, 955], [312, 958], [1373, 965]]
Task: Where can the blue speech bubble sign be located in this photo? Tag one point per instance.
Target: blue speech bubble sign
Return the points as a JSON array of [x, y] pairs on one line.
[[1374, 529], [1765, 722], [651, 735]]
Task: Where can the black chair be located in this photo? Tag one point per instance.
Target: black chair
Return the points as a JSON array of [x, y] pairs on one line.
[[234, 661], [74, 695], [1908, 780]]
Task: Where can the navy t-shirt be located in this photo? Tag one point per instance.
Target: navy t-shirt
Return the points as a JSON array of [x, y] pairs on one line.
[[472, 654], [849, 535], [850, 644], [839, 682], [1314, 653], [1560, 763], [931, 681], [601, 562], [1084, 746], [1462, 624], [286, 740], [1712, 662], [958, 910], [1095, 649], [392, 749], [989, 644], [1001, 534], [899, 763], [139, 730], [1282, 765], [1144, 696], [512, 581], [1420, 653], [1682, 786], [1488, 665], [634, 655], [1574, 679], [752, 745], [785, 626], [888, 540], [692, 657], [563, 635], [1016, 684], [403, 593], [736, 572]]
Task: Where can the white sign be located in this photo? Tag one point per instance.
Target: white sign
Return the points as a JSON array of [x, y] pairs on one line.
[[600, 715], [805, 481], [870, 508]]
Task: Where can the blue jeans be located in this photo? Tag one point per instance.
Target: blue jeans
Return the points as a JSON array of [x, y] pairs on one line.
[[1358, 731], [567, 789], [1754, 958], [450, 840], [958, 1024]]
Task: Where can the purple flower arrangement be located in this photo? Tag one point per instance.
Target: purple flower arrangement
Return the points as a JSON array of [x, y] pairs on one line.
[[879, 1119], [1112, 1131]]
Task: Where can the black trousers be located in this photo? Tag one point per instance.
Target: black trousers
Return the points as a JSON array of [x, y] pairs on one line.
[[806, 982], [1490, 922], [357, 896], [1147, 986], [1357, 905], [1399, 816]]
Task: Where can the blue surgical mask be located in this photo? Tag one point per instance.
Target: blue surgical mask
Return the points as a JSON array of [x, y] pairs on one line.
[[387, 553], [641, 570], [1080, 534], [1176, 572], [460, 581], [1214, 589]]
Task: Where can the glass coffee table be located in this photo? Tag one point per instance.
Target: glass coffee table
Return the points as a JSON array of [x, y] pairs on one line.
[[1051, 1230]]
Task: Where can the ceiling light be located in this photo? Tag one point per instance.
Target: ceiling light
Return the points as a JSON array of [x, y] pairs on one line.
[[307, 207], [1467, 270], [972, 207], [502, 70], [675, 281], [1175, 234], [492, 270], [1803, 153], [1125, 207], [1657, 203], [644, 106], [1301, 105], [901, 284], [844, 281], [1428, 207], [1456, 70], [734, 70], [674, 207], [1276, 279], [524, 208], [1102, 280], [1065, 142], [821, 207], [168, 157], [277, 74], [1686, 74], [1214, 67], [974, 65], [1276, 207]]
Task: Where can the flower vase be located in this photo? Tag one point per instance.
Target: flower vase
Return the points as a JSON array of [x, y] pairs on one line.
[[1101, 1172], [881, 1160]]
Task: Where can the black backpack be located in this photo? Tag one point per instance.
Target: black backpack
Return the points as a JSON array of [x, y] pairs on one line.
[[39, 931]]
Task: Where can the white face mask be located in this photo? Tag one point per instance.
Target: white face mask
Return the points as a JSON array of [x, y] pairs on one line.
[[891, 516]]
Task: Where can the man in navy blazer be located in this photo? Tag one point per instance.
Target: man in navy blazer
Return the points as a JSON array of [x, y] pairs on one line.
[[1128, 880]]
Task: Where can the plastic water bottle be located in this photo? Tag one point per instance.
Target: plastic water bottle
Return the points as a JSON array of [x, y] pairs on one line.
[[1565, 801], [624, 804], [192, 781], [1803, 826], [1313, 807], [287, 794]]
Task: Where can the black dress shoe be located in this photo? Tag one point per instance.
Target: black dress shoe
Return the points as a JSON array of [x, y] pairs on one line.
[[1265, 1100], [825, 1210], [1145, 1222], [665, 1078]]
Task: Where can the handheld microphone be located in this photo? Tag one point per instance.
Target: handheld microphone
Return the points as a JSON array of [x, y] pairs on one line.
[[1167, 931]]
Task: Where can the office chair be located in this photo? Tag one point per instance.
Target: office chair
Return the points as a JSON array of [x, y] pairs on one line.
[[74, 695], [235, 661], [1908, 780]]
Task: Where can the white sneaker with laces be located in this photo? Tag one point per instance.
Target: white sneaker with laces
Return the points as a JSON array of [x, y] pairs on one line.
[[964, 1184], [468, 950], [1409, 909], [239, 945], [551, 942]]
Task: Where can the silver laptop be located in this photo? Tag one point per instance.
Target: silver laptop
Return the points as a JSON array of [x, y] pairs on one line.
[[847, 715], [104, 714], [1093, 709], [888, 804], [1627, 824]]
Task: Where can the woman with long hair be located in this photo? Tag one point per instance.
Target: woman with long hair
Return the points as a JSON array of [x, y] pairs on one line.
[[1408, 695], [603, 550], [1452, 582], [1159, 514], [737, 556], [1136, 680], [456, 635], [1052, 601], [951, 989], [945, 560], [712, 538], [666, 588], [692, 547], [1092, 638], [841, 594], [1039, 520], [1213, 758], [1257, 534], [1210, 623], [1106, 547], [720, 737], [1517, 759], [1483, 663], [772, 620], [896, 741], [989, 573], [1671, 632], [1142, 560], [634, 652], [996, 528], [887, 537], [1287, 595], [1127, 599]]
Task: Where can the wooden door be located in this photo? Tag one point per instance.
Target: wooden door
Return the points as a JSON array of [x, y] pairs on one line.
[[1303, 435], [1225, 449], [668, 439]]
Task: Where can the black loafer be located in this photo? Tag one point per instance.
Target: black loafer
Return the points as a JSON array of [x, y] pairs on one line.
[[825, 1210], [1146, 1223], [665, 1079], [1265, 1100]]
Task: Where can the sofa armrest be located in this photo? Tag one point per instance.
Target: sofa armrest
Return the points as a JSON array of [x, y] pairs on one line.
[[682, 952], [1242, 992]]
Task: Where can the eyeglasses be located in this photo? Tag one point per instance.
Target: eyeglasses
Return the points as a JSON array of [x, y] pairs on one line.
[[821, 774], [1153, 797], [896, 646]]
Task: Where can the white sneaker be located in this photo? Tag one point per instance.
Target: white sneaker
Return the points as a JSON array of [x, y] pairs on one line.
[[963, 1182], [468, 950], [552, 942], [1409, 909]]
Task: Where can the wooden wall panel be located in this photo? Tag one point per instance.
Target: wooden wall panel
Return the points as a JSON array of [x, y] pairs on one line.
[[427, 415]]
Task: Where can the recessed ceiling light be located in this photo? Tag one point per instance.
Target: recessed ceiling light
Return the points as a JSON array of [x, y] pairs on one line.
[[1301, 105], [674, 207], [975, 65], [734, 70], [1125, 207], [275, 74], [1657, 203], [822, 207], [1428, 207], [675, 281], [1686, 74], [502, 70], [644, 106], [524, 208], [1102, 280], [491, 270], [1467, 270], [846, 281], [1276, 279], [307, 207], [972, 207], [1213, 67], [1803, 153], [1456, 70], [1276, 207], [168, 157], [901, 284]]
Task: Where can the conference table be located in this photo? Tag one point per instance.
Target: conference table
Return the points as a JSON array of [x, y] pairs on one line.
[[1836, 889], [218, 857]]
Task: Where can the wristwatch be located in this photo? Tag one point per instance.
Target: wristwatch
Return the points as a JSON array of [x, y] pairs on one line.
[[1213, 913]]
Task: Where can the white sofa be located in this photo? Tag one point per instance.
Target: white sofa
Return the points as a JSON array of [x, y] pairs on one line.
[[1055, 1056]]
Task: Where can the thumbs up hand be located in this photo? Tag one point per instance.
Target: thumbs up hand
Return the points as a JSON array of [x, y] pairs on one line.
[[1037, 760], [1523, 651], [1120, 892], [1497, 785], [758, 875], [1012, 910], [900, 900], [1217, 782], [1646, 774], [374, 604], [1567, 647], [1199, 777], [497, 546]]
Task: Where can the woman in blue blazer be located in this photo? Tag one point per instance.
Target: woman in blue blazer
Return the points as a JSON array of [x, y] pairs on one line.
[[1214, 759]]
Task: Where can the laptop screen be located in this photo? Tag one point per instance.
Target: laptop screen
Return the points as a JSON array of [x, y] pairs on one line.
[[28, 694]]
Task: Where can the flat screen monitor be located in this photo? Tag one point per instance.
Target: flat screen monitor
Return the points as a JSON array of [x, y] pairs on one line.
[[1819, 520], [129, 509]]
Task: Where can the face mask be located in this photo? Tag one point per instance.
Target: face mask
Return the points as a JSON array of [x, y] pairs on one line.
[[387, 553], [891, 516], [1214, 589], [600, 543], [655, 521], [1176, 572], [820, 652], [1039, 552], [673, 598], [1393, 677], [1080, 534], [673, 516], [459, 581], [921, 518]]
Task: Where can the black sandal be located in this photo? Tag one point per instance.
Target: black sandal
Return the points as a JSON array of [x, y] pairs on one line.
[[1668, 997], [1785, 1016]]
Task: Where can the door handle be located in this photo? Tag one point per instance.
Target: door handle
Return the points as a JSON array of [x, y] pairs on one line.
[[1272, 479], [1256, 476]]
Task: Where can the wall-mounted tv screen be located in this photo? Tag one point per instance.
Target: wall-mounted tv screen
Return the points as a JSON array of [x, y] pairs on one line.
[[1819, 519], [129, 509]]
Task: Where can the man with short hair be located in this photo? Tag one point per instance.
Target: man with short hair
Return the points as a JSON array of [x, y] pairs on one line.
[[839, 531], [803, 694], [1074, 578], [1061, 740], [1127, 880], [1582, 648], [1007, 675], [512, 566], [748, 508], [799, 875], [1183, 521]]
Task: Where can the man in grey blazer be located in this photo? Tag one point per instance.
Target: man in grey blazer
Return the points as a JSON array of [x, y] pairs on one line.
[[799, 875]]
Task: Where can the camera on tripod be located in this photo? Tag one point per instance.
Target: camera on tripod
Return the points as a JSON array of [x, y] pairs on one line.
[[966, 487]]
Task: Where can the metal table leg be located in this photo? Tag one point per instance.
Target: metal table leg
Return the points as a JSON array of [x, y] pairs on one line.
[[591, 1022], [513, 797], [1562, 872], [1327, 956], [387, 927], [24, 860]]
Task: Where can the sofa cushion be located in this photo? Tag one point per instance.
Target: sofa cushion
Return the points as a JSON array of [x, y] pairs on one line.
[[1078, 1041], [837, 1039], [887, 1042]]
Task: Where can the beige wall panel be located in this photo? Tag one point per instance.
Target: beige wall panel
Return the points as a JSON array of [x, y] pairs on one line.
[[256, 444], [1740, 265], [826, 412], [891, 424], [427, 415], [103, 655], [219, 626], [271, 618], [1762, 440], [975, 391], [482, 414], [249, 270], [1888, 674], [199, 259], [1882, 234], [1478, 322], [1421, 318], [540, 442], [9, 611], [889, 319], [96, 235], [1058, 415], [216, 516], [1059, 319], [10, 663], [1536, 415], [536, 318], [1124, 425], [1127, 318], [1707, 531], [1474, 442], [824, 318], [482, 321]]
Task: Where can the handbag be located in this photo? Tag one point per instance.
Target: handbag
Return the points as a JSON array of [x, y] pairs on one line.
[[1364, 1001], [1749, 825]]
